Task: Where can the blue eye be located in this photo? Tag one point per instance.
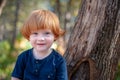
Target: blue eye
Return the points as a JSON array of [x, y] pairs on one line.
[[35, 33], [47, 33]]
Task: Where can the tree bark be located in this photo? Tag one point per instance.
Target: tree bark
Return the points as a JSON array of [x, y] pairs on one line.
[[18, 4], [93, 49], [2, 4], [58, 8]]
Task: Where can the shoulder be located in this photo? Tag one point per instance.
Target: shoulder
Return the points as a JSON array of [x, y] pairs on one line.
[[21, 63], [58, 57], [25, 54], [57, 54]]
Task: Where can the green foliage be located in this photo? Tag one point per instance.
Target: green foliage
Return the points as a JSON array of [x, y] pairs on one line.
[[5, 58], [4, 46], [117, 77], [4, 51]]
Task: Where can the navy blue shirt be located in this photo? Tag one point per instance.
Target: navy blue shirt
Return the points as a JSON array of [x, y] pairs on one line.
[[53, 67]]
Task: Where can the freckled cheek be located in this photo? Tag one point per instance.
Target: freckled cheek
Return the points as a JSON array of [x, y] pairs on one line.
[[50, 41], [32, 42]]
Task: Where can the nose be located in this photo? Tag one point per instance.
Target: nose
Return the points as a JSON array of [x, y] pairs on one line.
[[41, 38]]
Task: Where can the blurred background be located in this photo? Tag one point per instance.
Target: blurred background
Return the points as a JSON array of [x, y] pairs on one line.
[[13, 13]]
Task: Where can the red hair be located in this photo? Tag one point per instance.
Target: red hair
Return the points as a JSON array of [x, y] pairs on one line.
[[42, 19]]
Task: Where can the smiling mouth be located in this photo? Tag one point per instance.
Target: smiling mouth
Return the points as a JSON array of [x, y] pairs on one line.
[[40, 44]]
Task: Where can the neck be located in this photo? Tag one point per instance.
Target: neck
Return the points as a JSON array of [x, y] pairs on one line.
[[41, 54]]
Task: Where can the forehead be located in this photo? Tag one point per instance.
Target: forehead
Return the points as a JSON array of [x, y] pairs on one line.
[[43, 30]]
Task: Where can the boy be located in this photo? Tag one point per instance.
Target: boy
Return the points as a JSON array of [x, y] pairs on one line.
[[41, 62]]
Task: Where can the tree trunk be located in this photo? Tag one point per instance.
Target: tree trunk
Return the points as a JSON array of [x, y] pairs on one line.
[[2, 4], [94, 46], [58, 8], [18, 4]]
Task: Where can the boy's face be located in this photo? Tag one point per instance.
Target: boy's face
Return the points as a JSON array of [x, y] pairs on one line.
[[42, 40]]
